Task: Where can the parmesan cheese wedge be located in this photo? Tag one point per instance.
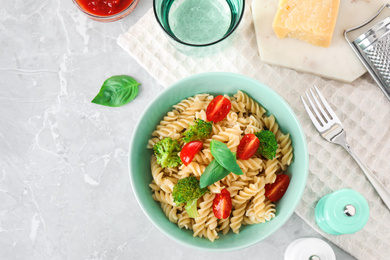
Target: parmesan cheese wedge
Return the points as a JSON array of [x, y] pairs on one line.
[[312, 21]]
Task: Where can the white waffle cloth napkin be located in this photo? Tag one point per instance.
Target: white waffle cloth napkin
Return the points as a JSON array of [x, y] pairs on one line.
[[361, 106]]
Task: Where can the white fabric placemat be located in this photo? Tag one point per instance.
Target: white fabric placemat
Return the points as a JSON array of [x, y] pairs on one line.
[[361, 106]]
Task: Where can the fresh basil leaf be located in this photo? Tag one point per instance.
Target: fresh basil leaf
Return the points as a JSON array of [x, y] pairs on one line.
[[117, 91], [213, 173], [225, 157]]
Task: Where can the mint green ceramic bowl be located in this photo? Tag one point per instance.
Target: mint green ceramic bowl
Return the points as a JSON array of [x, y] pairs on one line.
[[217, 83]]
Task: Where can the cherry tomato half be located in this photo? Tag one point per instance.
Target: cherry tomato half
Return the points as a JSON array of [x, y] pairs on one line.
[[248, 146], [218, 109], [189, 151], [276, 190], [222, 204]]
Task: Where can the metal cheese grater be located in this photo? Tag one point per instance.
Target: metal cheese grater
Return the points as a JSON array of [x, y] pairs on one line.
[[372, 46]]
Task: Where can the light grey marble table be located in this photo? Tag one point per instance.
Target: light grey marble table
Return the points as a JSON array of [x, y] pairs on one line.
[[64, 186]]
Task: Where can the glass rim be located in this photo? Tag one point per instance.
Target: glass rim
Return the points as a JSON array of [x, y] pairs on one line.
[[105, 17], [204, 44]]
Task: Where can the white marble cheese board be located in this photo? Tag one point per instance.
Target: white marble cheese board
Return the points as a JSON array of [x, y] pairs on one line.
[[337, 62]]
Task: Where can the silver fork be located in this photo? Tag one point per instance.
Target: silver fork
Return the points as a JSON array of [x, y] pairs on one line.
[[331, 129]]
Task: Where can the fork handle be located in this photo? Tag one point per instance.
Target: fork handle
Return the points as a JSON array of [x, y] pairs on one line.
[[378, 186]]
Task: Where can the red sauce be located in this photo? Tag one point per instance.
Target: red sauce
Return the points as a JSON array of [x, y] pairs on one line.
[[104, 7]]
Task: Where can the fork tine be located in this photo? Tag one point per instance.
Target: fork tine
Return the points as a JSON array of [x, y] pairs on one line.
[[312, 117], [320, 118], [327, 106], [324, 114]]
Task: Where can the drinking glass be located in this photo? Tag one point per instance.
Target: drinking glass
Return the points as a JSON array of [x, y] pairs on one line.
[[199, 27]]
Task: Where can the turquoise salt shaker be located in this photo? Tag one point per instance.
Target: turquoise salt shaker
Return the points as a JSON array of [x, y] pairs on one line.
[[344, 211]]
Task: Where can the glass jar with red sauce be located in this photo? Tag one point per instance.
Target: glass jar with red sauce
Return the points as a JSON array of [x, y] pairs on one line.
[[106, 10]]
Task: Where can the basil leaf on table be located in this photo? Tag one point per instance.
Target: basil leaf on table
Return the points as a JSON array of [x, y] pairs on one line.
[[213, 173], [117, 91], [225, 157]]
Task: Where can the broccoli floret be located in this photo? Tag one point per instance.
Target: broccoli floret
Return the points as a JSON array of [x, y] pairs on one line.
[[268, 144], [200, 130], [167, 151], [187, 191]]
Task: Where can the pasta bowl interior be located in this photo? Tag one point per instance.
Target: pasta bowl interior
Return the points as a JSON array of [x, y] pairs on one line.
[[240, 234]]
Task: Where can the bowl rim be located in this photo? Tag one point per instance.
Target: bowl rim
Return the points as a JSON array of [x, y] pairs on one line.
[[204, 44], [305, 158]]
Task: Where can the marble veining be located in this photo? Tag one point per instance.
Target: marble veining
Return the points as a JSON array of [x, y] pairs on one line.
[[64, 186]]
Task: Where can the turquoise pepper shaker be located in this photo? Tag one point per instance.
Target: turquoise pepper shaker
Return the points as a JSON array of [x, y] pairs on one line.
[[344, 211]]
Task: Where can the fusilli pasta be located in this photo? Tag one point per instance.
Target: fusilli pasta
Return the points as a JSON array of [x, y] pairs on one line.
[[250, 206]]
